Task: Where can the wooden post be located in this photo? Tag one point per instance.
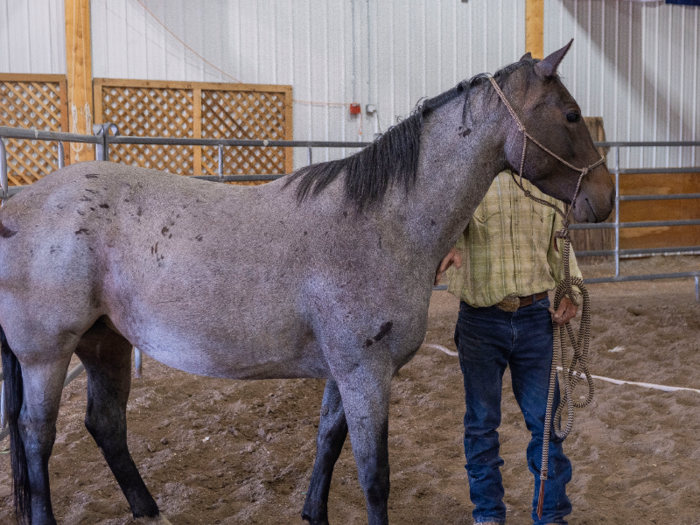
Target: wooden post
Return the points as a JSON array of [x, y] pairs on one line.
[[534, 27], [79, 75], [197, 125]]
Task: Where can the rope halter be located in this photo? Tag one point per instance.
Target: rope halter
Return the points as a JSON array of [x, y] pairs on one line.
[[526, 137]]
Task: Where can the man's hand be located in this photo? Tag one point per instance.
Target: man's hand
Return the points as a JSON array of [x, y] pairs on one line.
[[565, 313], [451, 258]]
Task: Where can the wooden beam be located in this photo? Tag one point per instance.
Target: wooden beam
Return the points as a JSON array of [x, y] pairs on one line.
[[79, 75], [534, 27]]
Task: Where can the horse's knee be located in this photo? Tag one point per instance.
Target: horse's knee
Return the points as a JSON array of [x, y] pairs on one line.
[[374, 480]]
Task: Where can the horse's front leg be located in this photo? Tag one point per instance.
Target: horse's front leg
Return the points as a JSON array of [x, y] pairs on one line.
[[365, 391], [332, 431]]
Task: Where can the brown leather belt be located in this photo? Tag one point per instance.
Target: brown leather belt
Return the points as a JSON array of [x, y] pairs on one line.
[[527, 301]]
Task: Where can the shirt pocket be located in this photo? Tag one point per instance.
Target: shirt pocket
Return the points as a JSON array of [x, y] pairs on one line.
[[485, 214]]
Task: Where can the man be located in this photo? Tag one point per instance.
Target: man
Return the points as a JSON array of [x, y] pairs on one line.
[[504, 264]]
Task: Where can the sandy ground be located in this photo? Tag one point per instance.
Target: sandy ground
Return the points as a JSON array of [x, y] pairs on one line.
[[225, 452]]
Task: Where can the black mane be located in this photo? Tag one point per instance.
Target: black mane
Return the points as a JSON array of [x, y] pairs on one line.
[[391, 159]]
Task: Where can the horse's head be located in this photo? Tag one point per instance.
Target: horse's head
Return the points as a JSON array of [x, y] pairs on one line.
[[552, 117]]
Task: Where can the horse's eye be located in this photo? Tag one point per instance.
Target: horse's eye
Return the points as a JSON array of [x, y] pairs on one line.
[[573, 117]]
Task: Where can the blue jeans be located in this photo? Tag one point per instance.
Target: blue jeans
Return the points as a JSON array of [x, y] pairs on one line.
[[488, 341]]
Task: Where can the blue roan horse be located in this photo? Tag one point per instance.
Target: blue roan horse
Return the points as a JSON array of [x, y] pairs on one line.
[[326, 273]]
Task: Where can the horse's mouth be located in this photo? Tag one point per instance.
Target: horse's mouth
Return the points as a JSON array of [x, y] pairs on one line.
[[584, 212]]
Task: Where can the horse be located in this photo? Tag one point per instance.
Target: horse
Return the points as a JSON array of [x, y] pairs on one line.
[[324, 273]]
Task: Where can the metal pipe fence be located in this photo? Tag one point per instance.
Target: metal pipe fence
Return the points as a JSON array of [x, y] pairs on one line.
[[107, 134]]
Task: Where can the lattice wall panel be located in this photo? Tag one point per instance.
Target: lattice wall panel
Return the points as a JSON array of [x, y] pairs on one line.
[[151, 112], [32, 104], [244, 115]]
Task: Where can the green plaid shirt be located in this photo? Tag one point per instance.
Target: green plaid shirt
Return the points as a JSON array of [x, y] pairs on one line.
[[508, 247]]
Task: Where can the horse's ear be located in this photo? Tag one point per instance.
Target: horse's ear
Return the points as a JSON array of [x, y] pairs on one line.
[[526, 56], [548, 67]]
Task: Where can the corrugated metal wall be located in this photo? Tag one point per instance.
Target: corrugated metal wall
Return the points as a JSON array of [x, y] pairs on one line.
[[32, 37], [633, 63], [636, 65], [389, 53]]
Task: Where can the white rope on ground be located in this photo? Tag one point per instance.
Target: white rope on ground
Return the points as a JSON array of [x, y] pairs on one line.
[[653, 386], [441, 348]]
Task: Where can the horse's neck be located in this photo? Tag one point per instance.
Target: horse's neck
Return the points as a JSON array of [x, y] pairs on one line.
[[454, 175]]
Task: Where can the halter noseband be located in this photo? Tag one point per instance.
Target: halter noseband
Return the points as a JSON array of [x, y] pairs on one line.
[[527, 136]]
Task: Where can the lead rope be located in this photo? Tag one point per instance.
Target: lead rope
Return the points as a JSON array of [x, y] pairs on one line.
[[577, 368]]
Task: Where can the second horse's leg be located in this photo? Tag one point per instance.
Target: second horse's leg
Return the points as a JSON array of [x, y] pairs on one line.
[[107, 359], [332, 431]]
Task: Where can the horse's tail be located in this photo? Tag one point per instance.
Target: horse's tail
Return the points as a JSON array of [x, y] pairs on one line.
[[12, 373]]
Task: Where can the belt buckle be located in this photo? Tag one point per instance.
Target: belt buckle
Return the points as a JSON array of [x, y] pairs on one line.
[[510, 303]]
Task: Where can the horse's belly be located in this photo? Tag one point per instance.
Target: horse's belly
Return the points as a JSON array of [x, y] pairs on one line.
[[202, 354]]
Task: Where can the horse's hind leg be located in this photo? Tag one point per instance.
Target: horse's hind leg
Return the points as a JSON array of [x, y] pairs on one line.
[[34, 394], [107, 359], [332, 431]]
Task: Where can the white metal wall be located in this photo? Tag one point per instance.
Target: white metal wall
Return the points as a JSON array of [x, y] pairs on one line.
[[636, 65], [32, 37], [389, 53]]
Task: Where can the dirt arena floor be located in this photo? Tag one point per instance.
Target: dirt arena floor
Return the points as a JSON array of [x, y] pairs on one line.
[[227, 452]]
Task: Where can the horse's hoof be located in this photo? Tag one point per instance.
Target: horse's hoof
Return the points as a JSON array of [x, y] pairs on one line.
[[315, 521], [158, 520]]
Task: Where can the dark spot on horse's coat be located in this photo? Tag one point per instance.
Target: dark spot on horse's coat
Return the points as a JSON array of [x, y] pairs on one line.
[[94, 192], [151, 250], [80, 212], [92, 209], [126, 200], [82, 230], [345, 214], [105, 206], [432, 222], [170, 236], [368, 343], [383, 330], [85, 198], [5, 232], [199, 237], [156, 248], [91, 176], [139, 211], [306, 233], [164, 231]]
